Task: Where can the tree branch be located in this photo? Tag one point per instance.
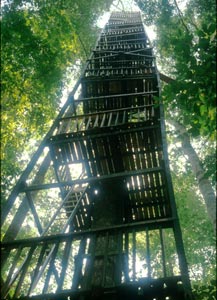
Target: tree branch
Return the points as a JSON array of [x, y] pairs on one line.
[[83, 46], [166, 78], [198, 171], [118, 7], [181, 16]]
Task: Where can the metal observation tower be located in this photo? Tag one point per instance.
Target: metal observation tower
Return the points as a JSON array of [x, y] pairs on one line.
[[93, 216]]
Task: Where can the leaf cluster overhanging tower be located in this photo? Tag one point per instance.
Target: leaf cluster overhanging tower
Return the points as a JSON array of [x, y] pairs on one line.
[[93, 215]]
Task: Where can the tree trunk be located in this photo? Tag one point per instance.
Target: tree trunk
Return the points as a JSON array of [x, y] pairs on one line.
[[198, 171]]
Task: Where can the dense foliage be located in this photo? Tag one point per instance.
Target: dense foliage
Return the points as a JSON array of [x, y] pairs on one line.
[[197, 235], [41, 43], [186, 44], [186, 52]]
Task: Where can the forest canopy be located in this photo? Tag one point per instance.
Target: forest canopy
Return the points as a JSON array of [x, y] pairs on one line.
[[44, 45]]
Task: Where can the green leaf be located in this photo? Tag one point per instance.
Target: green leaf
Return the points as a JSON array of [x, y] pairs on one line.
[[203, 110]]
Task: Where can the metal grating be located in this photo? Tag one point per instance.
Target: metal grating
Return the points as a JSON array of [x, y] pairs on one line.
[[93, 215]]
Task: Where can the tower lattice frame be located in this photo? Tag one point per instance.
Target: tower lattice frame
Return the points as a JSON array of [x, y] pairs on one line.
[[93, 216]]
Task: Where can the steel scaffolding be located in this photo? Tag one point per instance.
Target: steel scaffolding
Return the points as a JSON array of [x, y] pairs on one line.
[[93, 216]]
